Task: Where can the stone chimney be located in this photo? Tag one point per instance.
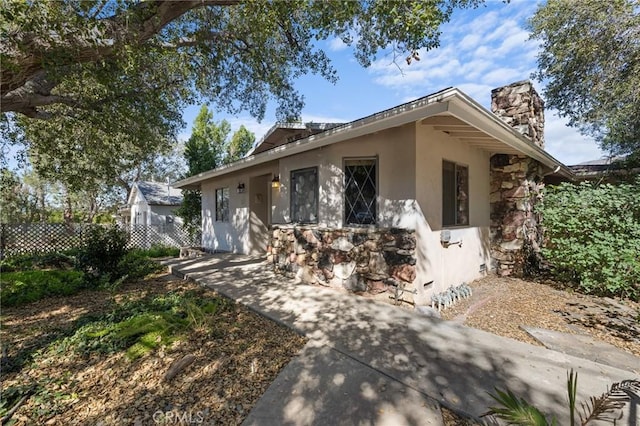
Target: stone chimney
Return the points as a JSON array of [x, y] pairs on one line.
[[516, 183], [520, 106]]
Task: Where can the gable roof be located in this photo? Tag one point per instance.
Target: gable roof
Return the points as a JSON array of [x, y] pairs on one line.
[[158, 193], [283, 133], [439, 109]]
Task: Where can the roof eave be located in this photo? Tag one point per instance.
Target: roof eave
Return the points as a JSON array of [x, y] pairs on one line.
[[451, 101], [465, 107]]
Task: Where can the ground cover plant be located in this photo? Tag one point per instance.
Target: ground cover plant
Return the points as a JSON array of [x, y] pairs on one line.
[[104, 355], [103, 261]]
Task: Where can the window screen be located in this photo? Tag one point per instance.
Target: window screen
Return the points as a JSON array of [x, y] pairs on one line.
[[304, 195]]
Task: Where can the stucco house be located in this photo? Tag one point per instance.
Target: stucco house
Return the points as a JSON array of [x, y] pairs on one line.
[[414, 199], [153, 203]]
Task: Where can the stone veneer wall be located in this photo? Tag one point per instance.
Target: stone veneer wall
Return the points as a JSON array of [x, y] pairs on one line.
[[520, 106], [362, 260], [516, 186], [516, 181]]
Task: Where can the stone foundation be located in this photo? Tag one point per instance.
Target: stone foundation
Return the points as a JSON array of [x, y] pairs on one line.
[[373, 261]]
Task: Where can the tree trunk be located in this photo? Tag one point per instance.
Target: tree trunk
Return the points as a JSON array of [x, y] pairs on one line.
[[68, 209]]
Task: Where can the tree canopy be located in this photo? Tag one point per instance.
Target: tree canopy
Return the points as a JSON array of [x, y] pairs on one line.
[[209, 147], [590, 64], [95, 89], [64, 57]]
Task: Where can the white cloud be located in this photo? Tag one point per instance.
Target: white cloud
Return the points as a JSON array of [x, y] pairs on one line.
[[479, 92], [517, 40], [566, 143], [336, 45], [470, 41], [502, 76]]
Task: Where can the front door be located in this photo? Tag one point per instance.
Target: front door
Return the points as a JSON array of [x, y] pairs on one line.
[[259, 190]]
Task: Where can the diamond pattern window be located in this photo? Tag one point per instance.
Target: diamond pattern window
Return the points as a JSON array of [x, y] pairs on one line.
[[222, 205], [360, 191], [455, 194], [304, 195]]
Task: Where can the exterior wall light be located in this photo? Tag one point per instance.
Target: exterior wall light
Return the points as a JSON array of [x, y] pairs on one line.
[[240, 188], [275, 182]]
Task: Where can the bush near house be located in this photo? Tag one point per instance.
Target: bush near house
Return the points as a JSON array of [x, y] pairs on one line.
[[102, 262], [28, 286], [592, 236]]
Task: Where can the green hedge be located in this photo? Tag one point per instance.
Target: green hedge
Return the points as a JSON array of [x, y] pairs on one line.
[[592, 236]]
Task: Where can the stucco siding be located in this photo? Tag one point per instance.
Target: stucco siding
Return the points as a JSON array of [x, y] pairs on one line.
[[234, 235], [437, 264], [394, 150], [409, 184]]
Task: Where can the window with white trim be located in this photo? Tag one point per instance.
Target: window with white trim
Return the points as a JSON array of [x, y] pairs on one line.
[[304, 195], [455, 194], [360, 191], [222, 205]]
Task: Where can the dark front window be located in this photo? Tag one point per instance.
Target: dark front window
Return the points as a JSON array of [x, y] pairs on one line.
[[455, 194], [360, 191], [222, 205], [304, 195]]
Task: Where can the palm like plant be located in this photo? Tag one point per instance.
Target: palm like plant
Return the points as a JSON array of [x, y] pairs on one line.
[[606, 407]]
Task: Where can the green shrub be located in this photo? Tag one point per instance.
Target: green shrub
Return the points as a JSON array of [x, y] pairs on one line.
[[22, 287], [592, 235], [606, 407], [159, 250], [136, 264], [141, 326], [62, 260], [102, 250]]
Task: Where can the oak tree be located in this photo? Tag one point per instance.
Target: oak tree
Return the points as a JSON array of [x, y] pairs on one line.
[[590, 63]]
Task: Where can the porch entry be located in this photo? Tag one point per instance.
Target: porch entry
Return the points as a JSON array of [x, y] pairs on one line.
[[259, 202]]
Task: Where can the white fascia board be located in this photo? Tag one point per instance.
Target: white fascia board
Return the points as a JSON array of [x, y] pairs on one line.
[[398, 116], [468, 110], [132, 194]]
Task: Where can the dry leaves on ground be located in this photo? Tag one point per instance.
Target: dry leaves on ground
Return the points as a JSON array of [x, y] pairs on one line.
[[502, 305], [234, 363]]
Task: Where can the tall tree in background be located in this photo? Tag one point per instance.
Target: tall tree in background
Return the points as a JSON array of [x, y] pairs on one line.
[[240, 144], [590, 63], [19, 203], [209, 147]]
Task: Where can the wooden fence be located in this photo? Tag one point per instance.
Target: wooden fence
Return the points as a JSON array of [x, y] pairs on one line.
[[30, 238]]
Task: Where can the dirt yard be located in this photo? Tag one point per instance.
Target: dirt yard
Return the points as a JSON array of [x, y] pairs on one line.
[[234, 364], [235, 361], [502, 305]]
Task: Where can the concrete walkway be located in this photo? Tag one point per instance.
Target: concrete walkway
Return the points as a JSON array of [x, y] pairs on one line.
[[369, 362]]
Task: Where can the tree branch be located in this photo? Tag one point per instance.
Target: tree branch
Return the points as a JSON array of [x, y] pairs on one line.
[[124, 28]]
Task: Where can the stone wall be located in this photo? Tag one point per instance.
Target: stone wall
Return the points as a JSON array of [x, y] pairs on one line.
[[520, 106], [516, 181], [374, 261], [516, 185]]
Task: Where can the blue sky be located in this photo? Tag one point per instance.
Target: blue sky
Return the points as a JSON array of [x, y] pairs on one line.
[[480, 49]]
